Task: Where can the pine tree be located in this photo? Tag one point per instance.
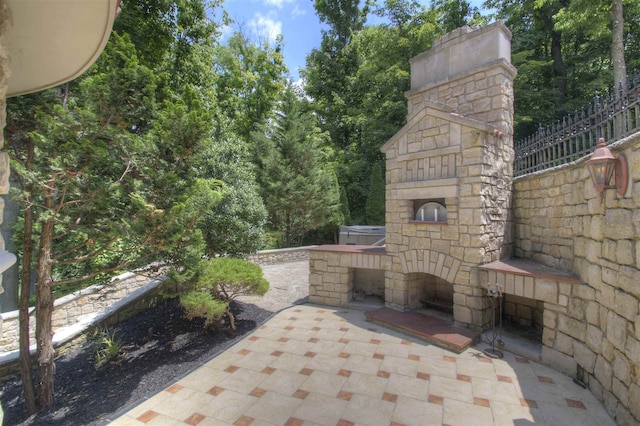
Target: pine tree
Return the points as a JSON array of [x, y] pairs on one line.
[[375, 206], [299, 186]]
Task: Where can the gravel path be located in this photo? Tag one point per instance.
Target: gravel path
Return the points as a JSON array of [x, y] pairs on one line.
[[288, 285]]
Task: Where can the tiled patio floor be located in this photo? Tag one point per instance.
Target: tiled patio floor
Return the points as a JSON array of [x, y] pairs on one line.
[[312, 365]]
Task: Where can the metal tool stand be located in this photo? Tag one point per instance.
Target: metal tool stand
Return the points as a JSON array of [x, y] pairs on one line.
[[494, 294]]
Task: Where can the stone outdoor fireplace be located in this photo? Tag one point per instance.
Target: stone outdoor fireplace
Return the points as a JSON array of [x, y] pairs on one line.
[[430, 292], [448, 187]]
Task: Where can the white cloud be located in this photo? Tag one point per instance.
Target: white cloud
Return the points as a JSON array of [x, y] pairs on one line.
[[277, 3], [265, 26], [297, 11]]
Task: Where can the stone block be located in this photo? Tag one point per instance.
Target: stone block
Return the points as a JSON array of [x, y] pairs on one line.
[[559, 361], [518, 289], [607, 296], [584, 356], [625, 253], [462, 314], [633, 350], [634, 395], [583, 291], [622, 368], [628, 280], [549, 319], [616, 330], [576, 308], [620, 391], [626, 305], [592, 313], [574, 328], [594, 338], [603, 371], [563, 344], [548, 337], [618, 224], [546, 291]]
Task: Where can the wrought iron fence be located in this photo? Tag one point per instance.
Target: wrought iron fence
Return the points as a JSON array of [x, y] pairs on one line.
[[612, 117]]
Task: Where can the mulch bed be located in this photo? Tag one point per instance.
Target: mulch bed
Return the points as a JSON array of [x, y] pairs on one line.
[[158, 347]]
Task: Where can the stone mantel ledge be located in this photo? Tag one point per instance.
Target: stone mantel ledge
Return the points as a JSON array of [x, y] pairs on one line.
[[529, 268]]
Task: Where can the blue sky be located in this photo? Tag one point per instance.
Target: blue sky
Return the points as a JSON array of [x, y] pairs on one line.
[[296, 20]]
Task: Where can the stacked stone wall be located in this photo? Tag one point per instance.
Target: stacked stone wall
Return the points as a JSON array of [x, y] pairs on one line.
[[594, 330], [74, 308], [270, 257]]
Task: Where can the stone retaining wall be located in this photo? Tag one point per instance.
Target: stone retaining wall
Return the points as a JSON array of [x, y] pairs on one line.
[[269, 257], [77, 307], [594, 329]]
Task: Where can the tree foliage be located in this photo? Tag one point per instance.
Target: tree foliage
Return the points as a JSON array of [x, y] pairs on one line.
[[212, 284], [297, 181], [375, 206]]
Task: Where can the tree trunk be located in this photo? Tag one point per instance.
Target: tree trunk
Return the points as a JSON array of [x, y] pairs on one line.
[[26, 377], [28, 390], [44, 306], [617, 44]]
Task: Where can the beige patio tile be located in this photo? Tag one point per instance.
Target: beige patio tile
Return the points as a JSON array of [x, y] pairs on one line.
[[321, 409], [297, 347], [163, 420], [438, 367], [255, 361], [284, 382], [148, 404], [324, 383], [411, 387], [243, 380], [274, 408], [364, 384], [451, 389], [396, 349], [411, 411], [474, 368], [327, 363], [328, 347], [363, 364], [507, 414], [465, 414], [290, 362], [560, 413], [495, 391], [228, 406], [183, 404], [400, 365], [368, 411], [355, 347]]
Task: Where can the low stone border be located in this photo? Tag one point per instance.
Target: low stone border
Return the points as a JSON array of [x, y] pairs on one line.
[[126, 295], [269, 257]]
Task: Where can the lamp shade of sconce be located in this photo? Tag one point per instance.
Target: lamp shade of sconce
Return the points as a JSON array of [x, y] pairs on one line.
[[603, 166], [53, 41]]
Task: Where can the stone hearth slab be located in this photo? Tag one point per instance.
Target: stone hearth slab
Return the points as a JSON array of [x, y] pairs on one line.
[[434, 330]]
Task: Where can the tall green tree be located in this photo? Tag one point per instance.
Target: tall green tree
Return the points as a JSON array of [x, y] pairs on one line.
[[296, 176], [375, 207], [235, 226], [107, 172], [251, 78]]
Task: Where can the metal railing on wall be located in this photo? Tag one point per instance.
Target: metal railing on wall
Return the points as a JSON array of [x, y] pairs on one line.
[[612, 116]]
